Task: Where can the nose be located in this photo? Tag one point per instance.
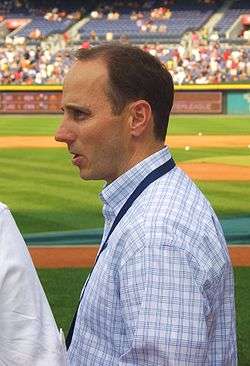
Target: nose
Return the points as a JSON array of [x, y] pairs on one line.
[[63, 134]]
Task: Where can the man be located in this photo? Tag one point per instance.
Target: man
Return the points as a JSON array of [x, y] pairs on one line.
[[28, 333], [161, 291]]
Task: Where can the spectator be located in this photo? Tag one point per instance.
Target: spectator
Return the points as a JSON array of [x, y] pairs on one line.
[[93, 36], [95, 14], [162, 28], [85, 44], [35, 34], [20, 64], [109, 36], [113, 15]]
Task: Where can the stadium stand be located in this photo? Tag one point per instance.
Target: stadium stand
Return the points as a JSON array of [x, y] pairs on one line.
[[34, 36], [46, 27], [182, 18], [231, 15]]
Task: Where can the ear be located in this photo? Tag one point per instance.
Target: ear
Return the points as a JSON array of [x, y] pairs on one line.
[[140, 117]]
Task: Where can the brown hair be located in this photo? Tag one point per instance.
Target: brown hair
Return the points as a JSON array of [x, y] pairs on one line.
[[133, 75]]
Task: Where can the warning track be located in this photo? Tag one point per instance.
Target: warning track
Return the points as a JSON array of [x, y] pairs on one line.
[[84, 256]]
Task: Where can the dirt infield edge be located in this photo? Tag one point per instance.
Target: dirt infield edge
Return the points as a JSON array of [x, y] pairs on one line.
[[84, 256]]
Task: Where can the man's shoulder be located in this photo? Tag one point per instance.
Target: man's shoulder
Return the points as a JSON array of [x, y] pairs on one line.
[[170, 202], [174, 210], [176, 197]]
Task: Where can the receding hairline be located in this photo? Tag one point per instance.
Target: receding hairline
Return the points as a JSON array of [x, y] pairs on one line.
[[100, 81], [101, 58], [73, 71]]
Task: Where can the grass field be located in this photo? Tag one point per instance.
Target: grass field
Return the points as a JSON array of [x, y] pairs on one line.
[[11, 125], [209, 125], [38, 183], [45, 194]]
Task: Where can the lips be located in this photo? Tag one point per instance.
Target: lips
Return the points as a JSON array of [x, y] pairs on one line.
[[76, 159]]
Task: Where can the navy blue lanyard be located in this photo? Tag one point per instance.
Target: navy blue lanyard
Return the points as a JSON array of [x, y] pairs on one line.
[[151, 177]]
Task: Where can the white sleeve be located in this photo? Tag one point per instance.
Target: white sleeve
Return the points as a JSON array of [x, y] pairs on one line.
[[28, 332]]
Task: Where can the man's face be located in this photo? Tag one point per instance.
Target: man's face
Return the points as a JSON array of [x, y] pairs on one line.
[[94, 135]]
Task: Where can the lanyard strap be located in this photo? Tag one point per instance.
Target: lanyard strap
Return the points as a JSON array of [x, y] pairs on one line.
[[151, 177]]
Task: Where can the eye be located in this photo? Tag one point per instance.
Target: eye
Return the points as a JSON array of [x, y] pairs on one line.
[[79, 115]]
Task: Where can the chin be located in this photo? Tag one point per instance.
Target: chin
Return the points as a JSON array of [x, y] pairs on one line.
[[87, 175]]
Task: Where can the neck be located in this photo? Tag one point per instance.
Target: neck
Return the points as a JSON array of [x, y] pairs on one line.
[[136, 154]]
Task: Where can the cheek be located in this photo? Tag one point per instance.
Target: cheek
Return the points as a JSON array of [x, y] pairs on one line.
[[102, 138]]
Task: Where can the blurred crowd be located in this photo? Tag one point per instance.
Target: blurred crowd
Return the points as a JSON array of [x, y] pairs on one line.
[[22, 65], [199, 64], [14, 6], [198, 60]]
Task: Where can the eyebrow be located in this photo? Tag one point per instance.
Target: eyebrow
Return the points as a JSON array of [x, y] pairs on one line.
[[75, 107]]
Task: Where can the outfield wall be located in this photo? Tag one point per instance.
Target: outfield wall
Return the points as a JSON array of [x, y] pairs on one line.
[[189, 99]]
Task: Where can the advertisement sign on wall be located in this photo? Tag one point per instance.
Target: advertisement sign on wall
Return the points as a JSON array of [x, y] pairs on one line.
[[198, 102], [30, 102]]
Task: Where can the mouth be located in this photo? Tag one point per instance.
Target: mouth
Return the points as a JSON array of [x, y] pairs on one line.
[[76, 159]]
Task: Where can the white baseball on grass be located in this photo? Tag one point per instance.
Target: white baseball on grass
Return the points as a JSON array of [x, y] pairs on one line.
[[187, 148]]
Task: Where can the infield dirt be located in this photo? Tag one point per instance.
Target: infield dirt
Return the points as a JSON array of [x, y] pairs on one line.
[[84, 256], [11, 142]]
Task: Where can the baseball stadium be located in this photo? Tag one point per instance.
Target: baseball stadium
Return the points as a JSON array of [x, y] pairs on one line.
[[205, 46]]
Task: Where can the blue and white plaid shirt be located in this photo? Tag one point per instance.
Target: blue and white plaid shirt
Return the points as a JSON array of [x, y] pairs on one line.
[[162, 291]]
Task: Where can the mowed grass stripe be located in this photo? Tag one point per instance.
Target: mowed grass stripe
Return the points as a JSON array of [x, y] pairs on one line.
[[49, 219], [59, 160], [227, 198], [40, 196], [41, 188], [43, 199], [46, 213], [46, 125], [182, 155], [209, 125], [41, 212], [49, 169], [27, 125], [228, 160], [29, 170]]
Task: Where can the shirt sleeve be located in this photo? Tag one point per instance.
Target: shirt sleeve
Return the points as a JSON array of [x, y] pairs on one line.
[[168, 309], [28, 333]]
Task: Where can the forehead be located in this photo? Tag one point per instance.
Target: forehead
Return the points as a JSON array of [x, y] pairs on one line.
[[85, 79]]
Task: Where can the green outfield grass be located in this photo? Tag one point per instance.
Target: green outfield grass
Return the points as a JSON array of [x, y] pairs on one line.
[[228, 198], [28, 125], [33, 125], [239, 160], [209, 125], [63, 287], [44, 191], [182, 155]]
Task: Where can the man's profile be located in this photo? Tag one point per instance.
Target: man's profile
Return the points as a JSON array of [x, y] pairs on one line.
[[161, 291]]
